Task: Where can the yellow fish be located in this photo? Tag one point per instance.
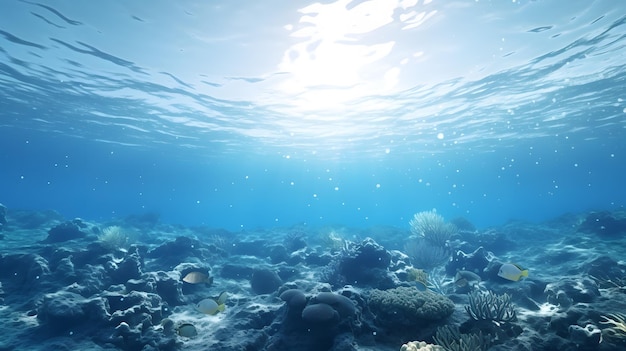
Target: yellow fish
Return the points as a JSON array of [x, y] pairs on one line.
[[213, 306], [210, 306], [512, 272]]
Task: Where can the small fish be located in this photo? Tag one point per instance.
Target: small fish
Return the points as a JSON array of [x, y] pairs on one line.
[[210, 306], [512, 272], [187, 330], [221, 299], [196, 277], [464, 278]]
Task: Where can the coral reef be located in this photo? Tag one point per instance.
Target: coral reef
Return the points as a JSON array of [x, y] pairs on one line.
[[491, 307]]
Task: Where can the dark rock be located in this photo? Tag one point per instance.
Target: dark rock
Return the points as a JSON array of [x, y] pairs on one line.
[[287, 272], [23, 271], [568, 291], [603, 224], [294, 298], [607, 272], [250, 248], [319, 314], [3, 215], [316, 259], [177, 251], [64, 270], [294, 241], [366, 265], [343, 305], [63, 311], [168, 286], [147, 284], [475, 262], [278, 254], [92, 278], [576, 314], [129, 268], [236, 271], [65, 231], [588, 336], [134, 307], [33, 219], [368, 254], [146, 220], [265, 281]]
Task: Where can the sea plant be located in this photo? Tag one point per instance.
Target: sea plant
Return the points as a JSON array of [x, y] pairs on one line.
[[425, 255], [491, 307], [114, 238], [432, 227], [417, 275], [450, 338]]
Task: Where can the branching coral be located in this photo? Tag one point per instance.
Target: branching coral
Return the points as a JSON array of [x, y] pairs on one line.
[[490, 306], [451, 339], [617, 329]]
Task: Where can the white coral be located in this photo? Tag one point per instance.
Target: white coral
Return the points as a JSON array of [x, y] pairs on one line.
[[420, 346]]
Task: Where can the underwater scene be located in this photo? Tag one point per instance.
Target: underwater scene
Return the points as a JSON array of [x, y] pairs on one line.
[[313, 175]]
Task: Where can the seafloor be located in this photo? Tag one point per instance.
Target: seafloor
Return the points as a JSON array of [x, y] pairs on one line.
[[75, 284]]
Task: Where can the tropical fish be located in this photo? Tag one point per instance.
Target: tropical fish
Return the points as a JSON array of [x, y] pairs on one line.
[[187, 330], [209, 306], [464, 278], [213, 306], [513, 272], [221, 299], [196, 277]]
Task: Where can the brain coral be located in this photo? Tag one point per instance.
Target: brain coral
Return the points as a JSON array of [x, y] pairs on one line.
[[408, 306]]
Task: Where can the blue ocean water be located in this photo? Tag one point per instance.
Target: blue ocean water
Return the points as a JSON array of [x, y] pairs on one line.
[[275, 113]]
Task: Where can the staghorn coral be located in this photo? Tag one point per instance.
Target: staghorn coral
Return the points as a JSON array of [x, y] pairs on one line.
[[450, 339], [617, 323], [491, 307]]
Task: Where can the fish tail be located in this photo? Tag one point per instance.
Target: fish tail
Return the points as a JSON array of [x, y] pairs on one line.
[[525, 273]]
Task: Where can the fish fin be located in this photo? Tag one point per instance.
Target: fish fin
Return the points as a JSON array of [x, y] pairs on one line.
[[524, 273], [519, 267], [221, 299]]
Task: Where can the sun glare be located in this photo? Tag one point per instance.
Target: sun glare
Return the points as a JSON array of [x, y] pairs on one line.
[[340, 54]]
